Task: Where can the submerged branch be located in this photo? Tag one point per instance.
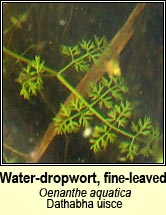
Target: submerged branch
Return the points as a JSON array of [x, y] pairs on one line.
[[117, 44]]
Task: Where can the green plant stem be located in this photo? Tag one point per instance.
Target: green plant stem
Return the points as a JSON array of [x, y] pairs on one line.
[[74, 61], [71, 89], [97, 114]]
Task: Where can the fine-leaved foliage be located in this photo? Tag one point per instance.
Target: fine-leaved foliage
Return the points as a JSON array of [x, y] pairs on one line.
[[115, 125], [30, 78], [106, 107]]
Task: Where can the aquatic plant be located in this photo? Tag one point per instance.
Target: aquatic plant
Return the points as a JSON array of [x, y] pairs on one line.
[[17, 22], [31, 78], [106, 106], [112, 113]]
